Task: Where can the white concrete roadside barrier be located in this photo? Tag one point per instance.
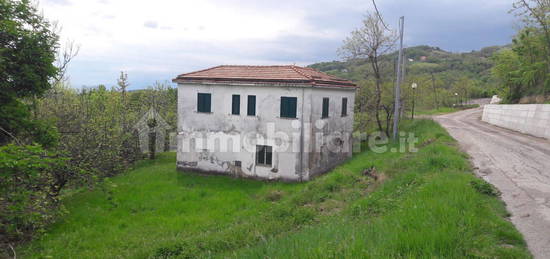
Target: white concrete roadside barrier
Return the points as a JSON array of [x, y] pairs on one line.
[[533, 119]]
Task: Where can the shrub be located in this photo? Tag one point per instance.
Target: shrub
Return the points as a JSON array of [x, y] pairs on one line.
[[484, 188], [31, 180]]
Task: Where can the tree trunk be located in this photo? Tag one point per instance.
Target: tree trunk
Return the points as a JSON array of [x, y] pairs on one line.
[[378, 97], [152, 144], [435, 91]]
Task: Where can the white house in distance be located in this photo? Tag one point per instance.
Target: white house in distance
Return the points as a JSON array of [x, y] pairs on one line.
[[268, 122]]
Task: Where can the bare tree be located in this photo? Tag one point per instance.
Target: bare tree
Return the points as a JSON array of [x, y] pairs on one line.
[[64, 57], [371, 41]]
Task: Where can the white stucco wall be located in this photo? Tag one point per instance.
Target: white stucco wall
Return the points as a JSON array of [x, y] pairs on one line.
[[533, 119], [263, 129], [325, 154]]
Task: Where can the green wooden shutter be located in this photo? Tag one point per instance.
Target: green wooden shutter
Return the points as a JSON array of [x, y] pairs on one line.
[[251, 109], [260, 154], [236, 105], [268, 155], [208, 103], [204, 102], [288, 107], [325, 108], [344, 107], [283, 107]]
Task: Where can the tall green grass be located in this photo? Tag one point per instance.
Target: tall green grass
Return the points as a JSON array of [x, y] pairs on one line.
[[429, 205]]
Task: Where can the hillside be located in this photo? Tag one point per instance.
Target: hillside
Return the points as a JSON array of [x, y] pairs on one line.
[[424, 204], [447, 66]]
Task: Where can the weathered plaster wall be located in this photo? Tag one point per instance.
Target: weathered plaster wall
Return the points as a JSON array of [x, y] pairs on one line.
[[533, 119], [290, 164], [332, 143]]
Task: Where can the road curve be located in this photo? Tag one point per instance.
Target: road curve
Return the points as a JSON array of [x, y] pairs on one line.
[[517, 164]]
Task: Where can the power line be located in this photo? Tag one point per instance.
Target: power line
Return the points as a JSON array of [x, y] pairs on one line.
[[379, 16]]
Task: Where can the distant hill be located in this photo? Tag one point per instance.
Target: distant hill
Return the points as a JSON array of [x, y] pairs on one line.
[[447, 66]]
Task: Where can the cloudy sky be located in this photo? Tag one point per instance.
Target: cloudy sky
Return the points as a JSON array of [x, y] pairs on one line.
[[157, 40]]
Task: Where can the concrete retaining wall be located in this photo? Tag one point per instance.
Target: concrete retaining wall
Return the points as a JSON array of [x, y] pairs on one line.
[[533, 119]]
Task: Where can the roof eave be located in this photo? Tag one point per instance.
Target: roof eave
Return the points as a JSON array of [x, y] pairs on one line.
[[264, 83]]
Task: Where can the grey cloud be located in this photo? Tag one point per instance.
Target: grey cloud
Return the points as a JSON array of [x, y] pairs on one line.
[[459, 25]]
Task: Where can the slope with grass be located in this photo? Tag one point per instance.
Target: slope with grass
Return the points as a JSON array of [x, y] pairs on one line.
[[424, 204], [445, 110]]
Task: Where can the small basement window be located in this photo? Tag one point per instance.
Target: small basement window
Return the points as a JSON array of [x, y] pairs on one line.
[[325, 108], [204, 102], [344, 107], [264, 155], [236, 105], [288, 107]]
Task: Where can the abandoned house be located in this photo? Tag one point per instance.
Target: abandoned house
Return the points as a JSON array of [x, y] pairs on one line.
[[269, 122]]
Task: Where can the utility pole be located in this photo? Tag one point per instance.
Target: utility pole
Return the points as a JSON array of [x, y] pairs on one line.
[[403, 72], [398, 80]]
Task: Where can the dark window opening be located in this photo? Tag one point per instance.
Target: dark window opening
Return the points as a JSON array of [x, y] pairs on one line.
[[236, 105], [238, 163], [288, 107], [344, 107], [264, 155], [325, 108], [204, 102], [251, 109]]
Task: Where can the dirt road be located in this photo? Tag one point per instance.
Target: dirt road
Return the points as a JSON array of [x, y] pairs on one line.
[[517, 164]]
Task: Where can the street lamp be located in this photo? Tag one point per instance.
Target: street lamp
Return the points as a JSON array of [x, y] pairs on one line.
[[413, 86], [456, 95]]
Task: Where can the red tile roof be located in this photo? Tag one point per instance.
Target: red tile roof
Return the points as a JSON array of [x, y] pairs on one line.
[[264, 74]]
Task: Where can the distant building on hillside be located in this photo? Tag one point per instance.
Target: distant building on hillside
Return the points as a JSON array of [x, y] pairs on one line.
[[268, 122]]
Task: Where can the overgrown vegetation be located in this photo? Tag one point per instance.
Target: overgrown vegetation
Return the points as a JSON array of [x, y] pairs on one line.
[[97, 126], [31, 179], [524, 69], [54, 137], [423, 204]]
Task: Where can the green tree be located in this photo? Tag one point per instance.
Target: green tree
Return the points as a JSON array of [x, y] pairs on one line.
[[28, 46]]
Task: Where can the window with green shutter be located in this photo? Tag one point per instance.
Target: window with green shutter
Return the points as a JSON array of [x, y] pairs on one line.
[[236, 105], [325, 108], [264, 155], [251, 108], [288, 107], [204, 102], [344, 107]]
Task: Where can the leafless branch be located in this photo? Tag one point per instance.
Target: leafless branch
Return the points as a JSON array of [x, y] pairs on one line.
[[11, 135], [64, 57], [13, 250]]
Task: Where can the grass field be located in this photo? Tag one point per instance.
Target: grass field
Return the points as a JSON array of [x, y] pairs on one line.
[[444, 110], [425, 204]]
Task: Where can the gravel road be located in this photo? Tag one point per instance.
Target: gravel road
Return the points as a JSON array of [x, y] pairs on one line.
[[517, 164]]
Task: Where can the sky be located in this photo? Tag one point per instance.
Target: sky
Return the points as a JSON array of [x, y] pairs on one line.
[[154, 41]]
